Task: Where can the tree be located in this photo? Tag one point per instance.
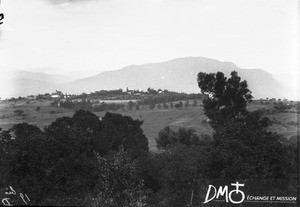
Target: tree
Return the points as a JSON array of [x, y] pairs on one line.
[[281, 107], [178, 105], [165, 105], [158, 106], [183, 136], [130, 105], [227, 97], [19, 112], [59, 165], [187, 103], [151, 105], [180, 172], [165, 137], [120, 130], [152, 91], [241, 147], [261, 159], [119, 182], [195, 103], [137, 107]]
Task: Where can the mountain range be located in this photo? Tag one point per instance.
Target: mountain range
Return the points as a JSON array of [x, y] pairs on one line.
[[175, 75]]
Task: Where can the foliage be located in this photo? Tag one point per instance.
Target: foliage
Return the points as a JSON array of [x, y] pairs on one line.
[[178, 105], [130, 105], [152, 91], [262, 160], [119, 182], [108, 107], [194, 103], [241, 147], [123, 130], [19, 112], [151, 106], [165, 105], [77, 105], [187, 103], [227, 97], [182, 136], [281, 107], [137, 107], [181, 173], [241, 151], [60, 162]]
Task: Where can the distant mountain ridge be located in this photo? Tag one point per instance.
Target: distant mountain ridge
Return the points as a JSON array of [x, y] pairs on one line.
[[176, 75]]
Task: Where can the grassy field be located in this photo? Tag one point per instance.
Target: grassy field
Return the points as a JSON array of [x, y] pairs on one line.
[[154, 120]]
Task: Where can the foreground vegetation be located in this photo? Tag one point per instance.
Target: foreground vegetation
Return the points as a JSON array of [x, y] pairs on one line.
[[84, 160]]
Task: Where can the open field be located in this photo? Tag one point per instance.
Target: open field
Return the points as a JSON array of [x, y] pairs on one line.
[[154, 120]]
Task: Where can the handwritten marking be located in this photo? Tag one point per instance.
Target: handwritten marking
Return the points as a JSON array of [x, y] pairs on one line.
[[22, 196], [6, 202], [11, 191]]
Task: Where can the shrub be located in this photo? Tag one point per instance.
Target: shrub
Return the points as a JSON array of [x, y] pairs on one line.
[[19, 112]]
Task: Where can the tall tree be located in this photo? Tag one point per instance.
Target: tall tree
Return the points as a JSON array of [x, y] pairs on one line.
[[227, 97], [242, 148]]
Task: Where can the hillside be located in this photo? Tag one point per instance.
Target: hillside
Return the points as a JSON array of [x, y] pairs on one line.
[[176, 75]]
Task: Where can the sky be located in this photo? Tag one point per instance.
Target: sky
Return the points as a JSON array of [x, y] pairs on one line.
[[91, 36]]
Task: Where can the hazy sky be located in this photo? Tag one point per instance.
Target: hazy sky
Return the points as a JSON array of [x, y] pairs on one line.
[[97, 35]]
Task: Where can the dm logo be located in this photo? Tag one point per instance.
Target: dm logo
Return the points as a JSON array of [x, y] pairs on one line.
[[223, 191]]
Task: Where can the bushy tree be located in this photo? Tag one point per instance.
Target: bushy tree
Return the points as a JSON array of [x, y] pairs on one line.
[[137, 107], [227, 97], [19, 112], [166, 137], [194, 103], [182, 136], [151, 106], [59, 165], [241, 147], [187, 103], [123, 130], [130, 105], [165, 105], [241, 151], [281, 107], [120, 182], [181, 174], [158, 106], [178, 105]]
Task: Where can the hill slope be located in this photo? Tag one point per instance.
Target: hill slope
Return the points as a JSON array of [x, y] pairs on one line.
[[176, 75]]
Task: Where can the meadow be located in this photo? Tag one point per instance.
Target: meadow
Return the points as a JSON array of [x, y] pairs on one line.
[[40, 113]]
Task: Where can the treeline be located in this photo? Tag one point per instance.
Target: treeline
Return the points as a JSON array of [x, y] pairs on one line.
[[169, 97], [85, 161], [130, 94], [89, 106], [130, 105]]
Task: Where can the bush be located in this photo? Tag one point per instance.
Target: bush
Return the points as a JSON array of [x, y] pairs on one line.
[[19, 112], [179, 171], [119, 182], [182, 136], [61, 162]]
